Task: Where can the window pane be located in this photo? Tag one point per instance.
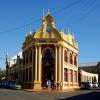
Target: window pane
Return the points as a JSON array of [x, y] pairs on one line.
[[65, 56], [65, 75]]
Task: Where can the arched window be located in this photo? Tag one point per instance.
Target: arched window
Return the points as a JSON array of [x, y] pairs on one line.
[[71, 59], [75, 60], [26, 75], [65, 56], [75, 76], [70, 75], [30, 74], [65, 74], [23, 59], [31, 56], [26, 58]]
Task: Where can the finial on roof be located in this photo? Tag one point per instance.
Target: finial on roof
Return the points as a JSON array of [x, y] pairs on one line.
[[43, 13], [68, 29], [62, 30], [48, 11], [7, 54], [72, 35], [30, 32], [24, 40]]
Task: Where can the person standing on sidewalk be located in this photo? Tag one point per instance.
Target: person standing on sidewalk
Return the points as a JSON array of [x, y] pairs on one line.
[[48, 83]]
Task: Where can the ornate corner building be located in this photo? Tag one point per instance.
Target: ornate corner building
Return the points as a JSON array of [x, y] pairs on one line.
[[46, 54]]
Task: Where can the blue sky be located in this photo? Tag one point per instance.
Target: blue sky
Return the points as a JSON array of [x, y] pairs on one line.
[[82, 17]]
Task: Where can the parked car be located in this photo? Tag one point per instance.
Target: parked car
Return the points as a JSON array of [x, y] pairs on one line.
[[0, 84], [11, 85], [98, 84], [3, 84], [16, 86], [85, 85], [95, 84]]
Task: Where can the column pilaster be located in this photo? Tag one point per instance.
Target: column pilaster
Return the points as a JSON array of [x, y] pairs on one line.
[[59, 63], [63, 65], [73, 67], [32, 67], [39, 65], [37, 82], [28, 74], [56, 63], [35, 63], [77, 67]]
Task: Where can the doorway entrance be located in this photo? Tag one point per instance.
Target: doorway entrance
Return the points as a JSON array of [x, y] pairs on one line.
[[47, 65]]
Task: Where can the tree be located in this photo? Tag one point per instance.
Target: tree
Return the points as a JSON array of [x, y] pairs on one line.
[[2, 73]]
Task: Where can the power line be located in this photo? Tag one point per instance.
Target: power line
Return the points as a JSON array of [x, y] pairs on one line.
[[91, 10], [20, 27], [58, 11], [2, 58], [87, 4], [66, 7]]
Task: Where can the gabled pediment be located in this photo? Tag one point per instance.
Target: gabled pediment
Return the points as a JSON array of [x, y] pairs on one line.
[[48, 29], [52, 34], [48, 17], [70, 39]]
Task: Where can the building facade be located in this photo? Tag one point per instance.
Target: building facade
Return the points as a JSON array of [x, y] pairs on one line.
[[91, 68], [87, 77], [46, 54]]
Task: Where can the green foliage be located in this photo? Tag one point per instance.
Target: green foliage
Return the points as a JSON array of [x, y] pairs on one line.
[[2, 73]]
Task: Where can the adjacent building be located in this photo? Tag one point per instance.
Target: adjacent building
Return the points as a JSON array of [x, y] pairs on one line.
[[93, 67], [87, 77], [46, 54]]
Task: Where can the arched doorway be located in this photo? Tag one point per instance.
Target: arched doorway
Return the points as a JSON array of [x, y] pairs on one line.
[[47, 65]]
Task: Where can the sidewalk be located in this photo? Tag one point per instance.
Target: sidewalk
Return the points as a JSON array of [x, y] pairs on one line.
[[47, 90]]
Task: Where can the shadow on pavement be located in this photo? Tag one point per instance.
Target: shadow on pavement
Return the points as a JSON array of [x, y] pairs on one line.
[[87, 96]]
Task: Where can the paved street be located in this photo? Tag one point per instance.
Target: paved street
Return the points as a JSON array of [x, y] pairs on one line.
[[7, 94]]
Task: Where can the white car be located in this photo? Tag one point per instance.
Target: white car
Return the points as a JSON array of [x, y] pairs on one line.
[[95, 84], [91, 85]]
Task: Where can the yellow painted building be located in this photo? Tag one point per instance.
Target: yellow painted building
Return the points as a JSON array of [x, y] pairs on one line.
[[47, 54]]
